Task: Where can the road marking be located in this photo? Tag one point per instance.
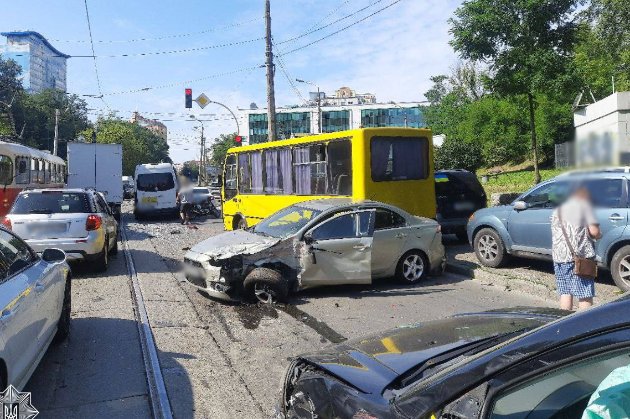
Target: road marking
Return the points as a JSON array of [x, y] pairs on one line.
[[160, 404]]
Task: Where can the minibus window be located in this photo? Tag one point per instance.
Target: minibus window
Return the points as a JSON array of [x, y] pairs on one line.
[[229, 185], [273, 172], [340, 167], [255, 163], [309, 168], [286, 170], [244, 174], [399, 158], [155, 182]]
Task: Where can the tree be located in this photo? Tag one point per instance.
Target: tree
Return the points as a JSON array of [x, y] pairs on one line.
[[219, 148], [527, 44], [10, 89], [140, 145], [35, 118], [455, 154]]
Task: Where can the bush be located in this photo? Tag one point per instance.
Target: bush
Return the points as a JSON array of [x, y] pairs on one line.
[[455, 154]]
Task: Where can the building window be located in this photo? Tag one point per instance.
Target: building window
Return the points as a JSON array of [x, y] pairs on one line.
[[392, 117], [399, 158], [333, 121]]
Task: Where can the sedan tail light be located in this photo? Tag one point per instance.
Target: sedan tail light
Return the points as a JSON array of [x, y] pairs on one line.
[[7, 223], [93, 222]]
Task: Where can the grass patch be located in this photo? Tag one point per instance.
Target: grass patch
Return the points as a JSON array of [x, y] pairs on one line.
[[517, 181]]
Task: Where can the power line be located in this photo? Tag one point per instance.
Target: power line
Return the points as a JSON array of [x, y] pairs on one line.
[[180, 83], [286, 74], [98, 78], [160, 38], [317, 29], [340, 30]]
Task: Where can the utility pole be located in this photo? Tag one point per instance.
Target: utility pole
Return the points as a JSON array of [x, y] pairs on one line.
[[271, 96], [201, 159], [56, 140], [319, 110]]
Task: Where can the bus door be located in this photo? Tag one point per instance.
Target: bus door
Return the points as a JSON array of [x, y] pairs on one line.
[[230, 204]]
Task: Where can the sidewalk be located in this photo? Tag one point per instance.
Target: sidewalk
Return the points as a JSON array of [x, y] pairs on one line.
[[533, 277]]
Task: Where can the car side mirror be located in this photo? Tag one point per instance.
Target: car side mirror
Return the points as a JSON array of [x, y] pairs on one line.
[[54, 256], [520, 205], [308, 238]]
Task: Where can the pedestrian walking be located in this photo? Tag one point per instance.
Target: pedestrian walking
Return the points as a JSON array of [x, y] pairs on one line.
[[185, 200], [574, 230]]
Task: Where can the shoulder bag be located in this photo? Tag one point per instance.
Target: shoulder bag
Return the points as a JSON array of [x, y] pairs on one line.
[[586, 268]]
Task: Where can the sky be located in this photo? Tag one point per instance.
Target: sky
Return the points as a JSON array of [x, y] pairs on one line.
[[391, 54]]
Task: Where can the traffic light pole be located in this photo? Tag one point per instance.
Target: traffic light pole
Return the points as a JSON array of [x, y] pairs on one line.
[[271, 97], [201, 158]]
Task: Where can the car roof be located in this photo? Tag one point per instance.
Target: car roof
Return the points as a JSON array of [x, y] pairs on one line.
[[68, 190], [332, 203], [595, 172]]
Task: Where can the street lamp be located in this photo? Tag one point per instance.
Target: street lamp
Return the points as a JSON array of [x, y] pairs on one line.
[[319, 103]]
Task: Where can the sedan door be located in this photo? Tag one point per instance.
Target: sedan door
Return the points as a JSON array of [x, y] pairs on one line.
[[21, 321], [390, 236], [339, 250]]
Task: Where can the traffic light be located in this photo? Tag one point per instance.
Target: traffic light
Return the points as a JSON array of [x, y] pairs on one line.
[[238, 140], [188, 98]]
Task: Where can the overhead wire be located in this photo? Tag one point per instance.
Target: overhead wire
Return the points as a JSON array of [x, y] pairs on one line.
[[286, 74], [98, 78], [160, 38], [330, 35]]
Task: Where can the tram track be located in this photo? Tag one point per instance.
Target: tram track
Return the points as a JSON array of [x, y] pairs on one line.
[[158, 397]]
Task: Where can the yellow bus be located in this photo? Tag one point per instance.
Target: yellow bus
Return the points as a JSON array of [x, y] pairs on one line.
[[391, 165]]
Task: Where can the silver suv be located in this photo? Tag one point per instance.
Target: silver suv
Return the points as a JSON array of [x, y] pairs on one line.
[[77, 221]]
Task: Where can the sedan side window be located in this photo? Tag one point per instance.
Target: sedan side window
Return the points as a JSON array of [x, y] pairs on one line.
[[339, 227], [387, 219], [565, 392], [15, 255]]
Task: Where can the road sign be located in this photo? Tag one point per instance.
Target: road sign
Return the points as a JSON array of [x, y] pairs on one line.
[[202, 100]]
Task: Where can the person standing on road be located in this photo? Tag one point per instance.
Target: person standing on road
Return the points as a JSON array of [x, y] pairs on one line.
[[185, 199], [574, 229]]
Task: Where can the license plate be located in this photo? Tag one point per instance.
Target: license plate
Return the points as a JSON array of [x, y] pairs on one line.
[[463, 206], [149, 200]]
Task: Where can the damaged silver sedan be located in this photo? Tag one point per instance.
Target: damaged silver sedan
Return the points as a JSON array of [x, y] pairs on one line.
[[316, 243]]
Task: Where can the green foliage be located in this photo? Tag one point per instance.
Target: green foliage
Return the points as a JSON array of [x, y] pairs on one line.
[[219, 148], [191, 169], [518, 181], [140, 145], [10, 89], [454, 154], [35, 119]]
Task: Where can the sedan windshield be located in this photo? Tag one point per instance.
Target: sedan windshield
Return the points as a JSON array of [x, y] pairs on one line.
[[286, 222]]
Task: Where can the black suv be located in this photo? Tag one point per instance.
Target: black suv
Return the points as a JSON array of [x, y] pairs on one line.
[[458, 194]]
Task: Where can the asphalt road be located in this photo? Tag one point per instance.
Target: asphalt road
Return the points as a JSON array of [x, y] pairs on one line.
[[218, 360]]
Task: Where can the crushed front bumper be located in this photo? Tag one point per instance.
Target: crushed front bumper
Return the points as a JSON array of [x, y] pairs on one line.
[[208, 278]]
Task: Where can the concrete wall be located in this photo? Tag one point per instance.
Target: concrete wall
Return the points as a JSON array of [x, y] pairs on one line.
[[602, 132]]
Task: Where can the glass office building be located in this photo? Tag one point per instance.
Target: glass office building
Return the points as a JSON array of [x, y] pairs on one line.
[[392, 117], [333, 121], [288, 124]]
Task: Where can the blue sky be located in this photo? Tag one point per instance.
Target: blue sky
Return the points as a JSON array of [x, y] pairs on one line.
[[391, 54]]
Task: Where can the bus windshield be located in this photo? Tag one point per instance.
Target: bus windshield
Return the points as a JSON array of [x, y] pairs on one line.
[[154, 182], [286, 222]]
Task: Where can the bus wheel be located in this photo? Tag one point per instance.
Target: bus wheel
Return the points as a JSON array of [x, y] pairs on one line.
[[241, 223]]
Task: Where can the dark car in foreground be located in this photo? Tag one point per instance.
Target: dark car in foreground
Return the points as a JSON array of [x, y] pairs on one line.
[[458, 194], [516, 363]]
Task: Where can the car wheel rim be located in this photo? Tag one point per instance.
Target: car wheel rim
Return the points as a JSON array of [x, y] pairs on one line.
[[264, 293], [488, 247], [624, 270], [413, 268]]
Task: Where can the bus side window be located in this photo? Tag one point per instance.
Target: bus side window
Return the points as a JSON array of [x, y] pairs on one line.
[[22, 175], [273, 172], [309, 169], [340, 167], [399, 158], [6, 170], [229, 178], [244, 174]]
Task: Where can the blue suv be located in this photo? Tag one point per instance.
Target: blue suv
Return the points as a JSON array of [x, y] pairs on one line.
[[523, 228]]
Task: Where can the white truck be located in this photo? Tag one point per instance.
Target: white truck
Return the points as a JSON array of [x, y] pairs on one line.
[[99, 167]]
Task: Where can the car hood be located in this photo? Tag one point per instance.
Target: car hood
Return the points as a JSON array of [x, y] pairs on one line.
[[370, 364], [232, 243]]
